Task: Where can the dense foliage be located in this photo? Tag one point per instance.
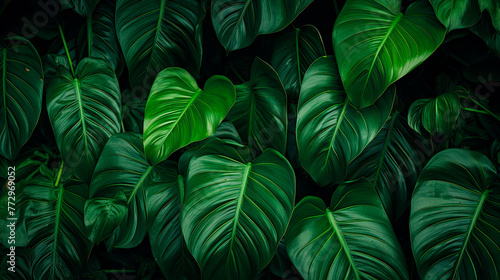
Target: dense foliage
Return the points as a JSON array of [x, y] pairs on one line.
[[250, 139]]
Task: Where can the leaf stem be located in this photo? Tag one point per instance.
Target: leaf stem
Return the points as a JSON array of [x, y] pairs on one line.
[[484, 108], [89, 34], [59, 174], [66, 50]]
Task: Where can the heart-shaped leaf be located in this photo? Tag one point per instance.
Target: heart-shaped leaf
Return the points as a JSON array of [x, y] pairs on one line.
[[293, 53], [84, 112], [454, 219], [235, 212], [238, 23], [375, 44], [21, 94], [330, 131], [156, 34], [352, 239], [260, 112], [178, 112], [456, 14]]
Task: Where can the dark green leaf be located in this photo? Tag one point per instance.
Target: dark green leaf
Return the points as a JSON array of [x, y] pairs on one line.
[[456, 14], [485, 31], [82, 7]]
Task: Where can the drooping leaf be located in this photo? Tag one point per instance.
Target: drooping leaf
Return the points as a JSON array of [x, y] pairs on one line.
[[392, 162], [238, 23], [493, 8], [375, 44], [178, 112], [117, 204], [260, 112], [53, 214], [293, 53], [98, 37], [454, 220], [163, 204], [351, 239], [84, 112], [330, 131], [82, 7], [21, 94], [456, 14], [235, 212], [133, 112], [484, 29], [158, 34], [438, 115]]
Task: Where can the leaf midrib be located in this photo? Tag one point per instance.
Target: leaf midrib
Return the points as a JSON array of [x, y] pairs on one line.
[[343, 243], [139, 183], [387, 140], [337, 129], [158, 31], [475, 217], [78, 94], [239, 19], [379, 49], [4, 86], [56, 227]]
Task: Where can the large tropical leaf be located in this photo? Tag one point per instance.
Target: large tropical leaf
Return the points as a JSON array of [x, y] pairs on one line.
[[178, 112], [238, 23], [98, 38], [53, 214], [351, 239], [235, 212], [156, 34], [82, 7], [293, 53], [392, 162], [484, 29], [84, 112], [117, 204], [21, 94], [456, 14], [439, 116], [164, 202], [375, 44], [493, 8], [454, 220], [330, 131], [260, 112], [132, 112]]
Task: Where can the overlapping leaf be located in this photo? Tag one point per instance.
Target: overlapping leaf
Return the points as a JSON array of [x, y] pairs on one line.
[[454, 220], [330, 131], [456, 14], [375, 44], [260, 112], [235, 211], [21, 94], [351, 239]]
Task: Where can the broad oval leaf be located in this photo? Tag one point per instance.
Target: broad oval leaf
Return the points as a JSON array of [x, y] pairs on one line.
[[293, 52], [330, 131], [235, 212], [156, 34], [260, 112], [53, 214], [352, 239], [439, 116], [454, 219], [456, 14], [238, 23], [178, 112], [84, 112], [21, 94], [375, 44], [163, 204], [98, 37]]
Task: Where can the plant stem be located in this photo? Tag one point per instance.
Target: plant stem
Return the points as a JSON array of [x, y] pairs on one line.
[[67, 51], [59, 174], [484, 108], [89, 34], [123, 127]]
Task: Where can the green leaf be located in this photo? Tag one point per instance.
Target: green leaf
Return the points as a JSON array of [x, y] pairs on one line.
[[454, 219], [164, 202], [158, 34], [293, 53], [493, 8], [392, 162], [178, 112], [98, 37], [438, 116], [84, 112], [484, 29], [352, 239], [53, 213], [20, 93], [133, 112], [82, 7], [117, 204], [238, 23], [235, 212], [456, 14], [330, 131], [260, 112], [375, 44]]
